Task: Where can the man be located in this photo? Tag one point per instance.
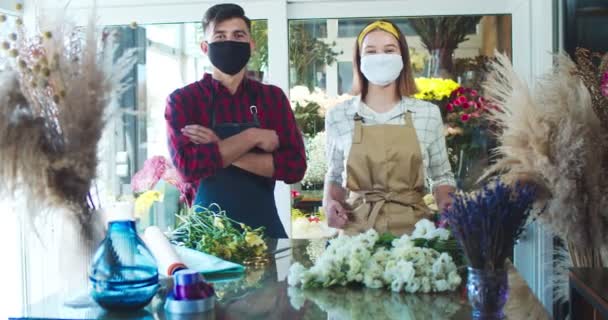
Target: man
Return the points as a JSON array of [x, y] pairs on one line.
[[231, 135]]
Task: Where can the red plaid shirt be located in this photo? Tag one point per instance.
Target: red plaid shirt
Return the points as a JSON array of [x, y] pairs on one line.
[[191, 105]]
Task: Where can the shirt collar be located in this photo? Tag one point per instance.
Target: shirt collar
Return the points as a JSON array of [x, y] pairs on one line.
[[218, 87], [406, 105]]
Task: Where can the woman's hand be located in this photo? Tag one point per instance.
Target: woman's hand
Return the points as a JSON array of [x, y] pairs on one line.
[[337, 217], [199, 134], [443, 197]]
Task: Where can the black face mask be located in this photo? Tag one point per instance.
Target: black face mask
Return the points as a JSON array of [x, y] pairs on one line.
[[229, 56]]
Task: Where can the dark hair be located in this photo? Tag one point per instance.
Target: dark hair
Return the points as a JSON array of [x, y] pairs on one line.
[[405, 83], [222, 12]]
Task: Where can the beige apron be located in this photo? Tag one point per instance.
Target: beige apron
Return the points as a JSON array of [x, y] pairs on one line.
[[385, 178]]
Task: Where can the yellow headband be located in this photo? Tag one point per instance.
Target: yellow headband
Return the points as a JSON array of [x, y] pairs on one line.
[[382, 25]]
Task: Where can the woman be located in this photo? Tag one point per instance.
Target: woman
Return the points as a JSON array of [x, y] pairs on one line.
[[383, 145]]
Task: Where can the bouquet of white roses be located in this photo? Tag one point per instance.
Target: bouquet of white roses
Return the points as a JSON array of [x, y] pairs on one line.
[[364, 259]]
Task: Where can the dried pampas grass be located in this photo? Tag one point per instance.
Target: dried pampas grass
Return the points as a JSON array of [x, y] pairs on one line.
[[551, 137], [56, 95]]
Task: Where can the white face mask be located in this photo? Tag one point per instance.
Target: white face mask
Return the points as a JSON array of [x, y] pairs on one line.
[[381, 69]]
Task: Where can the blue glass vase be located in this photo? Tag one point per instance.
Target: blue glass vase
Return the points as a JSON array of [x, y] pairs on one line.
[[488, 291], [124, 274]]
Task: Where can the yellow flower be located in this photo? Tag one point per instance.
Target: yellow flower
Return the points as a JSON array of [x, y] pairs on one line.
[[429, 200], [435, 88], [232, 246], [144, 202], [253, 239], [226, 253], [217, 222], [259, 250]]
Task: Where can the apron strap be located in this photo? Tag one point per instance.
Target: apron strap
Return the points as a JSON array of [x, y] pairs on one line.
[[408, 121], [253, 99], [409, 198], [357, 134]]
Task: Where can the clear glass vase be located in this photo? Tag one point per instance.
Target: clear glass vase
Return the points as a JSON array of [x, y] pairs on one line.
[[488, 291], [123, 274]]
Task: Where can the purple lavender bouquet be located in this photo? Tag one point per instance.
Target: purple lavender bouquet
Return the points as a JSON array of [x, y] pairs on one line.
[[487, 223]]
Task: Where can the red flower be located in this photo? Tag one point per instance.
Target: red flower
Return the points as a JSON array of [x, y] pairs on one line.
[[474, 93], [449, 107], [313, 219], [465, 117], [604, 86], [462, 100], [468, 104]]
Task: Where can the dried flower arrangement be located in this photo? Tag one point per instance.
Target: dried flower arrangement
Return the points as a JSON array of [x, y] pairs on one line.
[[56, 92], [555, 138]]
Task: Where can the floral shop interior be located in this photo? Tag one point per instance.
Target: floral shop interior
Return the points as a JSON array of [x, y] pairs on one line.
[[122, 198]]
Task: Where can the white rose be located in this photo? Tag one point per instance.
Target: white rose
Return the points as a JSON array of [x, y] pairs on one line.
[[454, 279], [423, 228], [359, 277], [371, 233], [403, 243], [295, 274], [441, 285], [441, 233], [412, 286], [396, 286], [375, 284], [355, 265], [406, 270], [425, 285]]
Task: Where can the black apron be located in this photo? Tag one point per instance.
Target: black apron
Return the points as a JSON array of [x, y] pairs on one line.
[[245, 196]]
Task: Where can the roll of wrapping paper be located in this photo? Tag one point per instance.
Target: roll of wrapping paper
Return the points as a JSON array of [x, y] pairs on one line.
[[167, 259]]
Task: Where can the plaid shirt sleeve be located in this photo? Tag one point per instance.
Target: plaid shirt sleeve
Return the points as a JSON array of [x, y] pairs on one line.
[[439, 163], [193, 161], [290, 158]]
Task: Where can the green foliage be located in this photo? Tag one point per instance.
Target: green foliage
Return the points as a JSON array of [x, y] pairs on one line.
[[309, 118], [213, 232], [305, 52], [259, 34]]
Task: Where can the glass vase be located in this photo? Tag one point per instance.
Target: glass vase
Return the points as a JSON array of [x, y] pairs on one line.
[[124, 274], [488, 291]]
